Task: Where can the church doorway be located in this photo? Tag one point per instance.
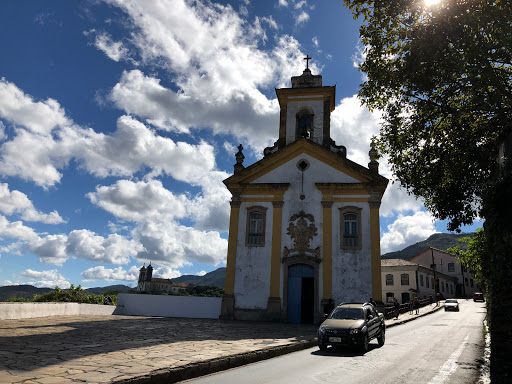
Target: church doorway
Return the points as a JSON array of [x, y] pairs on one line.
[[301, 293]]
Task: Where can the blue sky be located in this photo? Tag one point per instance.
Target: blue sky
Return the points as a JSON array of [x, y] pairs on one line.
[[119, 119]]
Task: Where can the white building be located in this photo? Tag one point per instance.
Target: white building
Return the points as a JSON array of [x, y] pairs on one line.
[[448, 264], [304, 224], [148, 283], [405, 280]]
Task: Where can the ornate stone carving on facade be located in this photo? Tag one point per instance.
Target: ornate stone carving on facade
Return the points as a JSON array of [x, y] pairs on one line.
[[302, 233], [373, 165], [239, 160]]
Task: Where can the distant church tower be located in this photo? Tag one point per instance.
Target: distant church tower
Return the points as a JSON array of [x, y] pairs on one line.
[[304, 225]]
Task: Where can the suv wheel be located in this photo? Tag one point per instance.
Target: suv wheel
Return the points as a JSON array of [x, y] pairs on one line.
[[382, 337], [323, 347], [363, 347]]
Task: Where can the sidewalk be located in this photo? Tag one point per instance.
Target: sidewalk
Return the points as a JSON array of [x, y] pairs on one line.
[[142, 350]]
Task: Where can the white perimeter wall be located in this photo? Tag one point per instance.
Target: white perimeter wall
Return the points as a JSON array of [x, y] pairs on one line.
[[169, 306], [9, 311]]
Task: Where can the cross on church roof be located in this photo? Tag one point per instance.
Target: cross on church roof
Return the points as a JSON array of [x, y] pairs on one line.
[[307, 58]]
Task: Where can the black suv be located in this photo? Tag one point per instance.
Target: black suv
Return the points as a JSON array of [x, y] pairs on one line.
[[352, 325]]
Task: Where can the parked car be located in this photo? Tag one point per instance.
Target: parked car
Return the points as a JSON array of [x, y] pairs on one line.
[[478, 296], [451, 305], [352, 325]]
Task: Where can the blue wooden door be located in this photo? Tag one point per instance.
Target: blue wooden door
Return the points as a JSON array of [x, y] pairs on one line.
[[296, 273]]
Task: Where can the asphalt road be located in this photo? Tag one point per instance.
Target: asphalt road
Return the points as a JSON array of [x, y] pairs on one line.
[[444, 347]]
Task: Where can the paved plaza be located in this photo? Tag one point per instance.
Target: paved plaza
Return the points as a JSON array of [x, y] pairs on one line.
[[141, 350]]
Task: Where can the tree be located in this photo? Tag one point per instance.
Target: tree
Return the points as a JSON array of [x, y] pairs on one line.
[[442, 76]]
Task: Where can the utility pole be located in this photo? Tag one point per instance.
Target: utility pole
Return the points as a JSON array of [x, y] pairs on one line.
[[436, 283]]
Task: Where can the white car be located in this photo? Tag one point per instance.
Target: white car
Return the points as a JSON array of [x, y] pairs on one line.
[[451, 305]]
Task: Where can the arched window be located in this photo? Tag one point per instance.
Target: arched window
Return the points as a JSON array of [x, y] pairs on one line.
[[389, 279], [404, 278], [305, 126], [256, 226], [350, 227], [421, 280]]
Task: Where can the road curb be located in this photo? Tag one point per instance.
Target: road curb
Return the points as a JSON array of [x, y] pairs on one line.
[[414, 318], [206, 367], [193, 370]]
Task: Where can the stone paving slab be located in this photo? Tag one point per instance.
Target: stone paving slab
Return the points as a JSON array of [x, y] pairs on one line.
[[142, 350]]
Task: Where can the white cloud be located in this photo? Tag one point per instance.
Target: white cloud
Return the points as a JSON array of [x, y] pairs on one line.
[[114, 249], [39, 117], [16, 230], [166, 273], [300, 4], [16, 201], [47, 279], [201, 273], [315, 41], [46, 148], [282, 3], [175, 245], [7, 283], [50, 249], [407, 230], [106, 274], [301, 18], [113, 49], [2, 131]]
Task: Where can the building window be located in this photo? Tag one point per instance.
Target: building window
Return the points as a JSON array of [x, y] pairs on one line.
[[442, 286], [256, 226], [471, 283], [451, 267], [421, 280], [390, 297], [350, 227], [389, 279], [404, 278], [305, 125], [428, 280], [466, 280], [432, 281]]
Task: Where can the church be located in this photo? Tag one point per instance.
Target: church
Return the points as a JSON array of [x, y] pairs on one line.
[[304, 224]]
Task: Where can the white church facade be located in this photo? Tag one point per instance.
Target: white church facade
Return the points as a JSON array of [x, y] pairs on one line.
[[304, 225]]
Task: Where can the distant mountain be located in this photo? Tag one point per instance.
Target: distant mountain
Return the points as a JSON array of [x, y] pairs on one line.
[[24, 291], [99, 290], [28, 291], [441, 241], [215, 278]]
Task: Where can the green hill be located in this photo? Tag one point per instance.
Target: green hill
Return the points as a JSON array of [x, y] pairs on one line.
[[214, 278], [23, 291], [441, 241]]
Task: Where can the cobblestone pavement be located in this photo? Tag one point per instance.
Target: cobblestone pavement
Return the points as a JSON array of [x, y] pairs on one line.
[[104, 349], [142, 350]]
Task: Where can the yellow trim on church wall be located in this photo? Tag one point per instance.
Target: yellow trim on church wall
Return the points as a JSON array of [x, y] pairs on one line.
[[375, 253], [350, 199], [229, 286], [327, 252], [275, 261], [304, 147]]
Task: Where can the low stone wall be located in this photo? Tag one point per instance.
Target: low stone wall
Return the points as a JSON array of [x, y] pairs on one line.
[[9, 311], [169, 306]]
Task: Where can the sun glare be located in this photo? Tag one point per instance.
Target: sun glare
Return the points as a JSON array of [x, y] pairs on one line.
[[428, 3]]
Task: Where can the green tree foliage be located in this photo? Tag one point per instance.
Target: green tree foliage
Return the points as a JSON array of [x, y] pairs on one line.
[[442, 76], [475, 256], [73, 295], [203, 291]]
